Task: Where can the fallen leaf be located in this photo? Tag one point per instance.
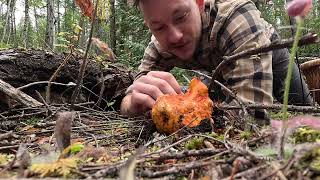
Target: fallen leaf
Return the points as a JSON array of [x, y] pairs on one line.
[[86, 7], [62, 167], [104, 48]]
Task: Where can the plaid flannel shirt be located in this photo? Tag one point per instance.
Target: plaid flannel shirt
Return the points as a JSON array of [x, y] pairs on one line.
[[228, 27]]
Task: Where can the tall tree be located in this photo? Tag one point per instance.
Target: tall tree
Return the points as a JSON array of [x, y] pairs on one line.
[[26, 24], [49, 39], [7, 23], [113, 26], [58, 16]]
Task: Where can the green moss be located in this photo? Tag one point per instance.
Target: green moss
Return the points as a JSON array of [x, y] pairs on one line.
[[216, 136], [312, 159], [305, 134], [195, 143], [245, 135]]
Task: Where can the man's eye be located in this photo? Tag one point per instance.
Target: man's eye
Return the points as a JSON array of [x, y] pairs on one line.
[[182, 18], [158, 28]]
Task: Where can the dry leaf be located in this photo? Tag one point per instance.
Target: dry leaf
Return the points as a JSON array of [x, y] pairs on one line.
[[62, 167], [104, 48], [63, 129], [86, 7], [97, 154]]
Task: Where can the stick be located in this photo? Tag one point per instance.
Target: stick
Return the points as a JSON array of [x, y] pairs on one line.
[[18, 95], [307, 109]]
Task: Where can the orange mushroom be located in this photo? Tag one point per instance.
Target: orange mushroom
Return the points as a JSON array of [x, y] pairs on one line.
[[172, 112]]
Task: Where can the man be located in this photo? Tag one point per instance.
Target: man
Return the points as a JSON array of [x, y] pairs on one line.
[[189, 34]]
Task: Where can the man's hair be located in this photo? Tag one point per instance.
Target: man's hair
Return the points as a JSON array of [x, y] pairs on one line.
[[136, 3]]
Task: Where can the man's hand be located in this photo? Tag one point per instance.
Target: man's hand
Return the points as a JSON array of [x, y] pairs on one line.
[[146, 90]]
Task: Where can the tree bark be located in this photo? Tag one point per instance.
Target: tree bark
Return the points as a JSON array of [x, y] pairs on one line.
[[58, 17], [36, 27], [50, 24], [113, 26], [26, 24], [6, 26]]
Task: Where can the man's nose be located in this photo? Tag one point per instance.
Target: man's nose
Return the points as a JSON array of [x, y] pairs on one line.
[[175, 35]]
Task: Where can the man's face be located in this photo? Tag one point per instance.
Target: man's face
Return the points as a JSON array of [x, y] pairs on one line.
[[176, 24]]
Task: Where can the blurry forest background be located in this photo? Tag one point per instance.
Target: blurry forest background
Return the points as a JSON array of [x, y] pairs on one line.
[[55, 25]]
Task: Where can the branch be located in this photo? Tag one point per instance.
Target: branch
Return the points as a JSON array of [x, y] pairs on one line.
[[306, 109], [18, 95], [310, 38]]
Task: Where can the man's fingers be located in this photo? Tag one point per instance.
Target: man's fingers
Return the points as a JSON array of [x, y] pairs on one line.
[[169, 78], [142, 100], [148, 89], [161, 84]]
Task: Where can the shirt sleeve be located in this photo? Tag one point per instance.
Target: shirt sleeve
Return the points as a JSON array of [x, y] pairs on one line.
[[250, 78]]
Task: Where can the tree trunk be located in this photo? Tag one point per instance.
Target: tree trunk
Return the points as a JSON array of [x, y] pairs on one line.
[[58, 16], [36, 27], [26, 25], [6, 26], [11, 22], [113, 26], [82, 34], [14, 26], [50, 24]]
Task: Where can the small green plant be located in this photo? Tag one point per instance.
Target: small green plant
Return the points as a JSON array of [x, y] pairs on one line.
[[32, 121]]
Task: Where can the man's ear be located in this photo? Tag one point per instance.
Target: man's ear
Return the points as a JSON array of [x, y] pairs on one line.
[[145, 23]]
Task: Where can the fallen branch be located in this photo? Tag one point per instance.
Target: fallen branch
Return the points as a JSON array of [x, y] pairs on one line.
[[18, 95], [306, 109], [178, 169]]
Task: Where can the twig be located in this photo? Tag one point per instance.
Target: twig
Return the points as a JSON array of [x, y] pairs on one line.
[[55, 75], [310, 38], [280, 174], [248, 172], [140, 134], [44, 82], [44, 102], [84, 62], [307, 109], [182, 154], [103, 86], [176, 170], [6, 135], [16, 146], [241, 103]]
